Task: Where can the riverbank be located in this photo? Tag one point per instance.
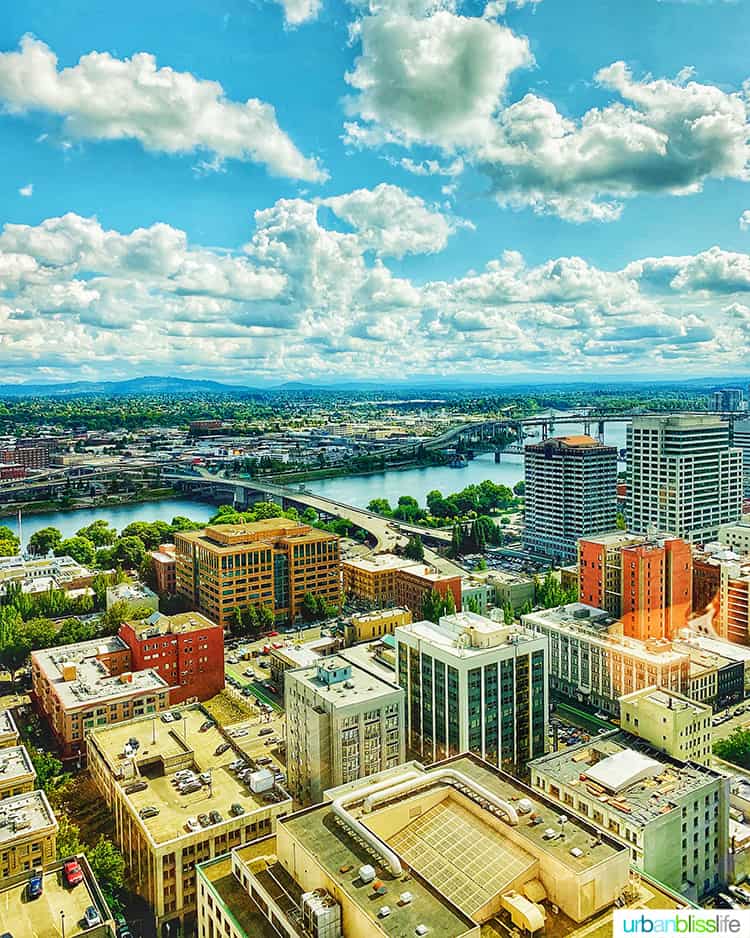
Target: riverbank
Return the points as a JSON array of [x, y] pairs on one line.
[[85, 504], [315, 475]]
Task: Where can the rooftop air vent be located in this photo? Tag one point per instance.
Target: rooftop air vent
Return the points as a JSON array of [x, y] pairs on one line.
[[384, 911]]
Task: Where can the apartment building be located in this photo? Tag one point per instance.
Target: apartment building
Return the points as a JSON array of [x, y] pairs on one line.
[[721, 594], [683, 476], [388, 580], [674, 816], [8, 731], [444, 851], [670, 722], [590, 660], [571, 492], [369, 626], [186, 650], [228, 567], [162, 833], [30, 457], [165, 569], [713, 678], [474, 685], [646, 583], [92, 684], [17, 773], [28, 833], [343, 721]]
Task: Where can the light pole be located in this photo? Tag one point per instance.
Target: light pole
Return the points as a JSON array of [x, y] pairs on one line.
[[62, 922]]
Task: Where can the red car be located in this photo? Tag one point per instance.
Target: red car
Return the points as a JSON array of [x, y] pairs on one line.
[[73, 872], [272, 634]]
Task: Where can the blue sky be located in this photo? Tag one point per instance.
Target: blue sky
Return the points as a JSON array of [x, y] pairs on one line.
[[587, 216]]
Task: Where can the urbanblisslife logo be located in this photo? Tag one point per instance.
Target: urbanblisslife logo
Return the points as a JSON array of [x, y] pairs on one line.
[[686, 922]]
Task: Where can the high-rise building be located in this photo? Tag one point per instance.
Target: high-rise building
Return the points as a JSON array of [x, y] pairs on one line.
[[473, 685], [644, 582], [684, 476], [741, 439], [721, 594], [728, 399], [670, 722], [571, 492], [343, 722], [274, 563]]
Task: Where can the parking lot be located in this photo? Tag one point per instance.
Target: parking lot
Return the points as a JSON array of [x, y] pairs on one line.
[[739, 716], [43, 917]]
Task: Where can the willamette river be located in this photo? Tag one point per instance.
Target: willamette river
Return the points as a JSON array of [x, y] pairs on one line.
[[356, 490]]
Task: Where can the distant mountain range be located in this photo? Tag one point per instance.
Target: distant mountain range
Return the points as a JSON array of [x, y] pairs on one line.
[[155, 384]]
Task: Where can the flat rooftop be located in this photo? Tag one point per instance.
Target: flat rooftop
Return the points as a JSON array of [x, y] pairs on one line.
[[361, 656], [92, 682], [183, 744], [244, 910], [467, 634], [23, 815], [7, 726], [41, 918], [130, 592], [159, 624], [380, 563], [632, 779], [15, 762], [360, 685], [378, 615], [668, 701], [729, 650]]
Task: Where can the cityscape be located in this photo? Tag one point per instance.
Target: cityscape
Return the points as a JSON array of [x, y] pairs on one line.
[[374, 469]]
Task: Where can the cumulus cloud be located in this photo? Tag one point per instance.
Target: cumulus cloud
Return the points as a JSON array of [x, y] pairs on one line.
[[106, 98], [745, 220], [300, 11], [27, 191], [393, 223]]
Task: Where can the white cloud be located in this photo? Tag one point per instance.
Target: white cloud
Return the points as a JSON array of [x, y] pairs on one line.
[[106, 98], [500, 7], [297, 12], [393, 223], [745, 220], [27, 191]]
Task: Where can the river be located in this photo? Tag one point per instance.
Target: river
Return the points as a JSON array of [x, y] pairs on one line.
[[357, 490]]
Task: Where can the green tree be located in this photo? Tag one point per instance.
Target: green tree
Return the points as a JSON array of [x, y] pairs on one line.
[[49, 774], [380, 506], [519, 488], [81, 549], [620, 522], [40, 633], [735, 747], [9, 543], [129, 551], [509, 615], [98, 532], [309, 516], [414, 548], [68, 838], [44, 540], [14, 644], [107, 865]]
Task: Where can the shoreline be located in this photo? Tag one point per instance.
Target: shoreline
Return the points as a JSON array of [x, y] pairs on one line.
[[43, 508]]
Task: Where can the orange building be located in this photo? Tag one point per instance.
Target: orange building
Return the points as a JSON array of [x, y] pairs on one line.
[[387, 579], [646, 583], [165, 569]]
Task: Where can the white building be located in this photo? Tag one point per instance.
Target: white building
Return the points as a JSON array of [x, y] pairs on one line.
[[343, 721], [684, 477], [473, 685]]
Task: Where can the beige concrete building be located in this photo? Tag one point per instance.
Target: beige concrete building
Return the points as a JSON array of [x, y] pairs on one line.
[[736, 535], [440, 851], [28, 834], [674, 816], [293, 655], [670, 722], [152, 817], [344, 721], [17, 774], [8, 732], [368, 626]]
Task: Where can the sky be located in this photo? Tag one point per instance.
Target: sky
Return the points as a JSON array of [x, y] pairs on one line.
[[316, 190]]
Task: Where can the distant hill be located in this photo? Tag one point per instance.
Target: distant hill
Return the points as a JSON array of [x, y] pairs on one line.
[[153, 384]]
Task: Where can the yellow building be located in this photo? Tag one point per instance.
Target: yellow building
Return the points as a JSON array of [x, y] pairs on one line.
[[676, 725], [369, 626], [28, 834], [162, 832], [17, 774], [273, 563], [8, 732]]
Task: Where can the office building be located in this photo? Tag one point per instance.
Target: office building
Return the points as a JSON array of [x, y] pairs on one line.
[[476, 595], [727, 650], [17, 773], [511, 589], [28, 834], [741, 439], [670, 722], [368, 626], [474, 685], [8, 731], [58, 905], [275, 563], [591, 661], [30, 457], [571, 492], [736, 536], [674, 816], [292, 655], [165, 569], [186, 650], [388, 580], [721, 594], [728, 400], [683, 476], [77, 687], [163, 833], [343, 722], [646, 583], [451, 850]]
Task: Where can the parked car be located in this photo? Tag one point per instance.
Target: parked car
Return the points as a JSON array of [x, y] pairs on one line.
[[221, 748], [237, 734], [266, 731], [36, 884], [91, 917], [133, 787], [206, 726], [122, 927], [192, 824], [215, 816], [264, 760], [273, 688], [248, 672], [264, 664], [203, 820], [189, 787], [167, 717], [148, 811], [205, 778], [247, 692], [236, 810], [236, 765], [184, 774], [72, 872]]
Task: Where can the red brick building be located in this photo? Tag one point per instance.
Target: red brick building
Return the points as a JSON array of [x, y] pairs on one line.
[[186, 650], [165, 569]]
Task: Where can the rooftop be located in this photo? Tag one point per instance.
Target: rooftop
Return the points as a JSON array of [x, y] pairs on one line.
[[626, 774], [129, 592], [362, 656], [377, 615], [80, 678], [239, 905], [357, 682], [466, 634], [23, 815], [178, 745], [159, 624], [574, 441], [227, 537], [7, 726], [15, 762], [668, 700], [728, 650]]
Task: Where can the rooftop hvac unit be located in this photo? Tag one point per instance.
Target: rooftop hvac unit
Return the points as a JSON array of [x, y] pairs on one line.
[[421, 930], [524, 806], [405, 898], [367, 873], [321, 914], [384, 911]]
